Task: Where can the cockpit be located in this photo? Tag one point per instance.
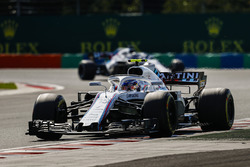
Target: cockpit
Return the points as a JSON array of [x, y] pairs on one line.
[[134, 83]]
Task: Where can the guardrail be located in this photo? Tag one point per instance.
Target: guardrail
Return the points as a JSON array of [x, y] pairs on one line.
[[208, 60], [30, 61], [70, 60]]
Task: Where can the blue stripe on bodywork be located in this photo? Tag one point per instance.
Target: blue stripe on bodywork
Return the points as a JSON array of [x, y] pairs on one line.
[[106, 110]]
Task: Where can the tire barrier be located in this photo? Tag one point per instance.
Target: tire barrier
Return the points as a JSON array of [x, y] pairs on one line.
[[209, 60], [231, 60], [189, 60], [69, 60], [246, 61], [30, 61], [165, 59]]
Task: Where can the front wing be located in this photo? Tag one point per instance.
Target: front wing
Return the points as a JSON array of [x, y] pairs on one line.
[[145, 126]]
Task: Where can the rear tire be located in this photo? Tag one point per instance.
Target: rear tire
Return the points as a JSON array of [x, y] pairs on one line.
[[161, 105], [52, 107], [216, 109], [119, 69], [177, 65], [87, 70]]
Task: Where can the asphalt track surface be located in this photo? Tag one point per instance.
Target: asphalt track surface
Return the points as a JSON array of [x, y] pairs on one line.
[[16, 111]]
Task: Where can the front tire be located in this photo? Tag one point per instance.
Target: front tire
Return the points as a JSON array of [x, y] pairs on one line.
[[161, 105], [52, 107], [216, 109], [87, 70]]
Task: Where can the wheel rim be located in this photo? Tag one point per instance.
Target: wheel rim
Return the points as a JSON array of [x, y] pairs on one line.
[[171, 115], [61, 116], [229, 109]]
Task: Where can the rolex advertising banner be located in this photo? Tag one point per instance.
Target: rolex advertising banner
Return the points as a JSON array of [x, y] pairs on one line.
[[149, 33]]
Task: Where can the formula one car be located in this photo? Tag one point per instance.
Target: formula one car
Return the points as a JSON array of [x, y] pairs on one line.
[[141, 102], [108, 63]]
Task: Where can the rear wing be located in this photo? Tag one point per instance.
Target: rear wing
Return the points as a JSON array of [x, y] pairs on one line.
[[183, 78]]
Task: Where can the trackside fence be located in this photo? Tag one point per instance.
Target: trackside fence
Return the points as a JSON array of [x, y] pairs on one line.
[[70, 60]]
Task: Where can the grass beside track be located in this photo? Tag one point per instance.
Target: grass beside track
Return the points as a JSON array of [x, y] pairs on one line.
[[9, 85], [241, 134]]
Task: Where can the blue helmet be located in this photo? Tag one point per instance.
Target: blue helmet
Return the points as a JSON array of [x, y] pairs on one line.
[[130, 85]]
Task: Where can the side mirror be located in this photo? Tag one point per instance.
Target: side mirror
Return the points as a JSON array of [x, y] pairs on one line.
[[95, 83], [98, 83]]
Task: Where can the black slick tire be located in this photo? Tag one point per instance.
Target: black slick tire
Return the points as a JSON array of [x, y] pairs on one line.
[[52, 107], [176, 65], [161, 105], [119, 69], [87, 70], [216, 109]]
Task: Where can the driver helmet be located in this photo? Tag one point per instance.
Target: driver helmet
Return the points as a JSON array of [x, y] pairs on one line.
[[130, 85]]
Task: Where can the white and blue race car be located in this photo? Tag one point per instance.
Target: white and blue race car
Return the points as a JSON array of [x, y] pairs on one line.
[[141, 101], [111, 63]]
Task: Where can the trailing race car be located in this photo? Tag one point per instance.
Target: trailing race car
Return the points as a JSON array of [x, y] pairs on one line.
[[108, 63], [139, 102]]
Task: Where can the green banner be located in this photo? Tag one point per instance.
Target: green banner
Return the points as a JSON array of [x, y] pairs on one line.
[[150, 33]]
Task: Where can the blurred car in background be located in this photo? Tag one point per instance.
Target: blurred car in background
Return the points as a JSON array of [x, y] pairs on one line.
[[111, 63]]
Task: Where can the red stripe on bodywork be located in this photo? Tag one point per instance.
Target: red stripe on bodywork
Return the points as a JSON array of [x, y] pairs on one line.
[[106, 110]]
